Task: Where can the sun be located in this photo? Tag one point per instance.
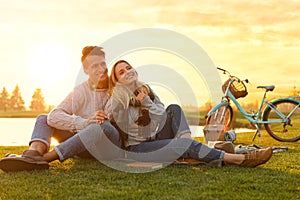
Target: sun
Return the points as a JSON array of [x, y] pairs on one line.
[[48, 64]]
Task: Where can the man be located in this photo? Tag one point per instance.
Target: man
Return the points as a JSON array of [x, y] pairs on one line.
[[80, 115]]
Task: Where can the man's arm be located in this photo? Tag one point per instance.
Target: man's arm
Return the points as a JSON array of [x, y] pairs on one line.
[[78, 110], [62, 117]]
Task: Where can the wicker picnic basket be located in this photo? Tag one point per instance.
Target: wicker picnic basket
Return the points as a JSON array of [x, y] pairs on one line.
[[237, 88], [214, 132]]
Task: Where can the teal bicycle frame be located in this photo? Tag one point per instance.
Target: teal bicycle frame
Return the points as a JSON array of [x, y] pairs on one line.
[[256, 117]]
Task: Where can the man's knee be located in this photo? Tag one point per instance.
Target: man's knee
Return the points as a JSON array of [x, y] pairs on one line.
[[111, 133], [107, 127], [42, 118]]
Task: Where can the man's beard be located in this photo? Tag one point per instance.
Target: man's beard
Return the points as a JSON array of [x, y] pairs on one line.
[[102, 84]]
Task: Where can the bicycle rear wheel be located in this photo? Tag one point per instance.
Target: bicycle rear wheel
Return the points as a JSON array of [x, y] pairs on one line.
[[284, 131], [222, 116]]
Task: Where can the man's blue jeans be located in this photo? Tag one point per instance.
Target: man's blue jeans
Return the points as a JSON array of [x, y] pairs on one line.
[[70, 143]]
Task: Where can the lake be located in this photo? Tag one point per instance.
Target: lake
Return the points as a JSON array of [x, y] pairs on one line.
[[17, 131]]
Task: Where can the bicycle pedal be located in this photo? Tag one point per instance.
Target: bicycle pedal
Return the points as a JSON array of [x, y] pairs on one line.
[[259, 134]]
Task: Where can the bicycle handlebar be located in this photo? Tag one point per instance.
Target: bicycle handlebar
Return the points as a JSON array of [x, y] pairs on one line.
[[227, 72], [222, 70]]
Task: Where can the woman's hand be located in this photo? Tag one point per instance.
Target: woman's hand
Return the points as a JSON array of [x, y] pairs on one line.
[[142, 94]]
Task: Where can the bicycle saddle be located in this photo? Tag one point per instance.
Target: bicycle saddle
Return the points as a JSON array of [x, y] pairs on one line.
[[268, 88]]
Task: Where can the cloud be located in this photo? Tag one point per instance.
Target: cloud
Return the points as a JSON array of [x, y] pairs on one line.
[[260, 20], [260, 38]]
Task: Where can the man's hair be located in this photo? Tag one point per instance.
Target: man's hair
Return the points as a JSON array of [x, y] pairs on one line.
[[91, 50]]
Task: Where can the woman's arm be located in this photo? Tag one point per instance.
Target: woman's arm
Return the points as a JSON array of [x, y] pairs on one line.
[[155, 106]]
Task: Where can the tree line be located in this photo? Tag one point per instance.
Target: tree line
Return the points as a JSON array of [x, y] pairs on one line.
[[15, 102]]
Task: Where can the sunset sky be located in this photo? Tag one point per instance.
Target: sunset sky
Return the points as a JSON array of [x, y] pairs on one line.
[[41, 41]]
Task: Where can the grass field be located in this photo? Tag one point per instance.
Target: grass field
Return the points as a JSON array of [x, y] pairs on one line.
[[89, 179]]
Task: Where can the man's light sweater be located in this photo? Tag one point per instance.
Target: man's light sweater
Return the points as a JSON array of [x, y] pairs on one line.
[[73, 112]]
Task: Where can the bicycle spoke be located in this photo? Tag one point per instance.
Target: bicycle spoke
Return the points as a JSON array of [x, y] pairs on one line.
[[222, 116], [285, 118]]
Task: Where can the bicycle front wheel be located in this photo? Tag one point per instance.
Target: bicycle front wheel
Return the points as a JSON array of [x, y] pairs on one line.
[[223, 116], [288, 131]]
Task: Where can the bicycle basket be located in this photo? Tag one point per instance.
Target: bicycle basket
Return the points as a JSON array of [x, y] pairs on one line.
[[237, 88]]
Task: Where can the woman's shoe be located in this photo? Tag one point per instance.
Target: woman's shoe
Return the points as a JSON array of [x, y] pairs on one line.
[[257, 157], [228, 147]]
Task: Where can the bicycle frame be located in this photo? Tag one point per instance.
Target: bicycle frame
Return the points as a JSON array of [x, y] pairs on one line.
[[256, 118], [283, 117]]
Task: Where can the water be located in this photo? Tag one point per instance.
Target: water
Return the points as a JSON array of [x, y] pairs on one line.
[[17, 131]]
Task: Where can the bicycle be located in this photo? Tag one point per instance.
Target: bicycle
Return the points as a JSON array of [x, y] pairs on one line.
[[280, 117]]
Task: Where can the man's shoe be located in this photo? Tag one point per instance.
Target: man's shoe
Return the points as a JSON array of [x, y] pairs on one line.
[[257, 157], [29, 160]]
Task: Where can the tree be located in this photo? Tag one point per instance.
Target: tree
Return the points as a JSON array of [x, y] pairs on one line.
[[4, 100], [16, 100], [295, 91], [37, 102]]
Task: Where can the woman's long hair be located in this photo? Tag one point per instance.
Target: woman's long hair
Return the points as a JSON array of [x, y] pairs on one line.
[[124, 96], [120, 92], [113, 78]]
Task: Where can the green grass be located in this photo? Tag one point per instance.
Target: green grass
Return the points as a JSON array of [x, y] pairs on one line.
[[89, 179]]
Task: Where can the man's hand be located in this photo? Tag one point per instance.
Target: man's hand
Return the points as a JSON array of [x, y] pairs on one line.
[[98, 117], [101, 116]]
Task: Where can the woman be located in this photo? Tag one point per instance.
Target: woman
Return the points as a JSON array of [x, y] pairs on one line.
[[155, 134]]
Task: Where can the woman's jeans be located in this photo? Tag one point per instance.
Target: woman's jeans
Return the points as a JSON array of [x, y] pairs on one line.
[[168, 147], [175, 124], [70, 143]]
